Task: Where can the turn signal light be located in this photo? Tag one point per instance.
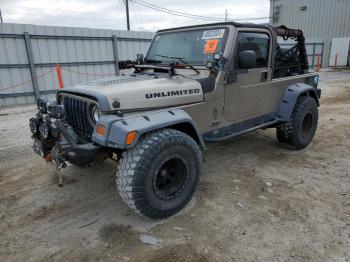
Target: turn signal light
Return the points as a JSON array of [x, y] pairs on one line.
[[130, 138], [100, 129]]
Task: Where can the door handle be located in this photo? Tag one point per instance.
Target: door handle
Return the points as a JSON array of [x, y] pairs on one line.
[[264, 75]]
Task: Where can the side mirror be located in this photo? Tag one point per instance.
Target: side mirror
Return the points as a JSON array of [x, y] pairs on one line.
[[247, 59]]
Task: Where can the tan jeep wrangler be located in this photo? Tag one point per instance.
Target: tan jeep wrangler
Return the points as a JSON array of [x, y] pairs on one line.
[[197, 84]]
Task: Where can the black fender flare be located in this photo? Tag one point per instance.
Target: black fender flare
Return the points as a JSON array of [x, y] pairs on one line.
[[119, 128], [290, 98]]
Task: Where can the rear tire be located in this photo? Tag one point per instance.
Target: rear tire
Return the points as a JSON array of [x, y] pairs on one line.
[[158, 176], [298, 133]]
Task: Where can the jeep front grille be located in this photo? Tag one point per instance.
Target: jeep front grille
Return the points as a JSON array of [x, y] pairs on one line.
[[78, 114]]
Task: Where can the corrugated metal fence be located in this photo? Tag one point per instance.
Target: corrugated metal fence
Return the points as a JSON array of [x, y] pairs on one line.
[[29, 53]]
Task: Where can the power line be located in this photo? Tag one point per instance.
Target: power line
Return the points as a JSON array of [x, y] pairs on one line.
[[106, 21], [166, 10], [251, 19], [133, 12], [188, 15]]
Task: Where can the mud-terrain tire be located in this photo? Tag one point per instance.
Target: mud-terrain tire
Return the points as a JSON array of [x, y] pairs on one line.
[[158, 176], [297, 133]]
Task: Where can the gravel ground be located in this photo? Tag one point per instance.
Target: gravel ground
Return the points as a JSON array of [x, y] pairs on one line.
[[256, 200]]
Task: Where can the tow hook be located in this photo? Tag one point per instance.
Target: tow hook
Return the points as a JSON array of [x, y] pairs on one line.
[[59, 174], [60, 163]]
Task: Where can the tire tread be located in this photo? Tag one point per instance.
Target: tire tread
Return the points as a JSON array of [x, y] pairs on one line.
[[130, 166], [288, 132]]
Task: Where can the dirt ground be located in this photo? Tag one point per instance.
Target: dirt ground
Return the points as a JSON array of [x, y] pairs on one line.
[[304, 215]]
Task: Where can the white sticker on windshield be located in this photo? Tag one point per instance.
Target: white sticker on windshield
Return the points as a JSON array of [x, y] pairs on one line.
[[210, 34]]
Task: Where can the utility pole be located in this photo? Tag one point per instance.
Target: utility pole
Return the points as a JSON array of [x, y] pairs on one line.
[[273, 12], [226, 15], [127, 14], [1, 21]]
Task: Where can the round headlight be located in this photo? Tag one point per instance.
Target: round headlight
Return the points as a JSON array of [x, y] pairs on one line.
[[95, 113]]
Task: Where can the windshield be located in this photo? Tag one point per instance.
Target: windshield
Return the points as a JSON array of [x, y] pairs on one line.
[[195, 46]]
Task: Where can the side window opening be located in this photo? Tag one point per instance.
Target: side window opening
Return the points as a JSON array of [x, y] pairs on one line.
[[259, 43], [288, 60], [291, 56]]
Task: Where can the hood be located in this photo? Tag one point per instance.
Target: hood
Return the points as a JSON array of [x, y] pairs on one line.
[[140, 91]]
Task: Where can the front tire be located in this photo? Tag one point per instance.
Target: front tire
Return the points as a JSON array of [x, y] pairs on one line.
[[298, 133], [158, 176]]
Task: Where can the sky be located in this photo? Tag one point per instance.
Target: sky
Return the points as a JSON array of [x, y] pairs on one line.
[[110, 14]]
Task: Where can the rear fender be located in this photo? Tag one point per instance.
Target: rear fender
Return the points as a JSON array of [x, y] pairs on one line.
[[290, 98]]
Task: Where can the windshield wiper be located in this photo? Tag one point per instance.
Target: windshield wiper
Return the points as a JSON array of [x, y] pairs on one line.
[[181, 60]]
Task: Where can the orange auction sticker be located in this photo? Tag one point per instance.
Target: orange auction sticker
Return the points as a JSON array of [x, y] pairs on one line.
[[210, 46]]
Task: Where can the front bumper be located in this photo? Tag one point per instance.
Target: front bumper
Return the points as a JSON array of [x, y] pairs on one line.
[[77, 154], [57, 141]]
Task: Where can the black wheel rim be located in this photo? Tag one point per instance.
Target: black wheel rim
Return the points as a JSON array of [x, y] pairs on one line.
[[170, 178], [306, 125]]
